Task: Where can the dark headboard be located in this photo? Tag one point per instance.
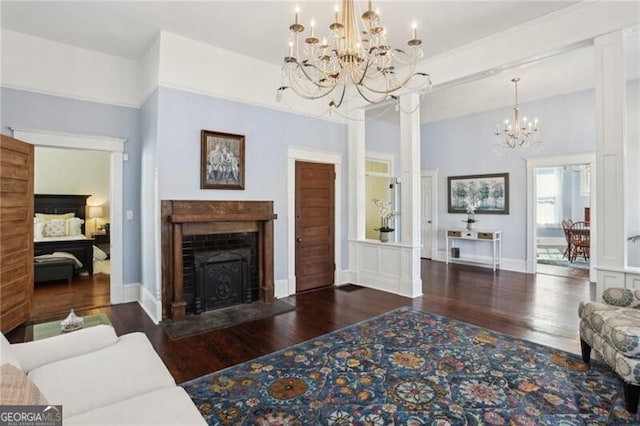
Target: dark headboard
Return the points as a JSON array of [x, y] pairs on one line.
[[59, 204]]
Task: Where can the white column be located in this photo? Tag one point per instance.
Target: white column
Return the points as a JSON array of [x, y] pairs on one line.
[[356, 191], [610, 244], [410, 203], [356, 159]]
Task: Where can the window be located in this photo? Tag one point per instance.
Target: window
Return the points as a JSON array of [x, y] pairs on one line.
[[548, 195], [585, 181]]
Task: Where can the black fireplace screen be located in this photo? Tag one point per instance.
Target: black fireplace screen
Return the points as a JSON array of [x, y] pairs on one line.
[[210, 246], [222, 279]]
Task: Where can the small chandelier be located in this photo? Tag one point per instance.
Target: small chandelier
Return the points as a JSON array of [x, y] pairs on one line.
[[517, 135], [348, 57]]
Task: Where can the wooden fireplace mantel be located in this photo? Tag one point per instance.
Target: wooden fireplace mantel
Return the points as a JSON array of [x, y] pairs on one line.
[[246, 217], [183, 217]]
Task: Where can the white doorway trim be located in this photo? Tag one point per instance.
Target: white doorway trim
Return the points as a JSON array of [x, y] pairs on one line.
[[556, 161], [433, 174], [301, 154], [115, 147]]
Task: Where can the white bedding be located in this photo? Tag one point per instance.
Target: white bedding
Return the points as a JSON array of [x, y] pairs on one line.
[[65, 238], [56, 256], [102, 267]]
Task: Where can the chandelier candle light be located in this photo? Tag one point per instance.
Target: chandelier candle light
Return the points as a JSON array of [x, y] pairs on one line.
[[348, 57], [517, 135]]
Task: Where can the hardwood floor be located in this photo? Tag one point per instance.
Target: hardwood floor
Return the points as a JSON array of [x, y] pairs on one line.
[[563, 271], [53, 299], [540, 308]]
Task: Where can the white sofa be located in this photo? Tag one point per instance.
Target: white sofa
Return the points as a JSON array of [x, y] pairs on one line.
[[100, 378]]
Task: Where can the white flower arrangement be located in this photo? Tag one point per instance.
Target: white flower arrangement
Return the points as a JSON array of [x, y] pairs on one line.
[[471, 209], [386, 214]]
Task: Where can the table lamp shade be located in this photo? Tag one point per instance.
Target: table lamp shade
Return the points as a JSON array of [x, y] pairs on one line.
[[95, 212]]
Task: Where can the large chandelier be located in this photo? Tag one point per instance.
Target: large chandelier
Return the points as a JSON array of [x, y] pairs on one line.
[[317, 68], [519, 134]]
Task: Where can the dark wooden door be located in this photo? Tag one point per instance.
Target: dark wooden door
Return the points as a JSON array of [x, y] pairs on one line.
[[315, 267], [16, 232]]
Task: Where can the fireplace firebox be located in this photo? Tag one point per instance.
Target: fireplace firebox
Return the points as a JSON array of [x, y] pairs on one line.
[[195, 223], [222, 279]]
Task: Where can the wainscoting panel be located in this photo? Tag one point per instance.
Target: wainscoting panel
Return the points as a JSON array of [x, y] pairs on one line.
[[389, 260], [633, 281], [368, 257], [383, 266], [606, 279]]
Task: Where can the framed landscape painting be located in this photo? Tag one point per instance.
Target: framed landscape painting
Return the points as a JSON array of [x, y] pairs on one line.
[[222, 160], [488, 194]]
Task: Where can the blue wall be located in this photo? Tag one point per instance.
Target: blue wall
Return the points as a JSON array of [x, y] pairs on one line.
[[268, 135], [164, 137], [168, 127], [464, 146], [148, 199], [31, 110], [383, 136]]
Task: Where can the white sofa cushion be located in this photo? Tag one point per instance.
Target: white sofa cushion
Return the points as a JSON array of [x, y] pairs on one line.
[[7, 355], [114, 373], [45, 351], [168, 406]]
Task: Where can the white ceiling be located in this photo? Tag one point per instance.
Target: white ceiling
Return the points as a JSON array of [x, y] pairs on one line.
[[256, 28], [259, 29]]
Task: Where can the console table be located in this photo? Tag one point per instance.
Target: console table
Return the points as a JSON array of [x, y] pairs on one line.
[[484, 236]]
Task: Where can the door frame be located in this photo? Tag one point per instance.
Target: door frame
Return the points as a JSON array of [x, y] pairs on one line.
[[115, 146], [302, 154], [433, 174], [532, 235]]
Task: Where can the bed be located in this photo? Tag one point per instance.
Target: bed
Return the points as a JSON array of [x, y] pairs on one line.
[[79, 246]]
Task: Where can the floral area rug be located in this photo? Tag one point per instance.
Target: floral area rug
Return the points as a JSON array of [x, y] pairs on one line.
[[410, 367]]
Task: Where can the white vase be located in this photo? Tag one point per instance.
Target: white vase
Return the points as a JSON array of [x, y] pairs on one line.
[[469, 226], [384, 236]]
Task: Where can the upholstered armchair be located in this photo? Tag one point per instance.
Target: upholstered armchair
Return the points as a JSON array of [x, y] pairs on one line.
[[612, 328]]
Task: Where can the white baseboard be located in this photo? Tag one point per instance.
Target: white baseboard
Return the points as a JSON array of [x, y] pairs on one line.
[[282, 286], [389, 284], [151, 305], [136, 292], [344, 277], [515, 265], [131, 292], [281, 289]]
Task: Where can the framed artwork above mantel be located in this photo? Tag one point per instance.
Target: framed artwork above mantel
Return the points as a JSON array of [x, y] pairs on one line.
[[488, 193], [221, 160]]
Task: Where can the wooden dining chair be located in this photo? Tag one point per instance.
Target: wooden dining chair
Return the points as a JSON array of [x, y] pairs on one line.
[[566, 224], [580, 236]]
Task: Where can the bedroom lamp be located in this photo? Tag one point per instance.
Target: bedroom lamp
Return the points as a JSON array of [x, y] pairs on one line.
[[94, 213]]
